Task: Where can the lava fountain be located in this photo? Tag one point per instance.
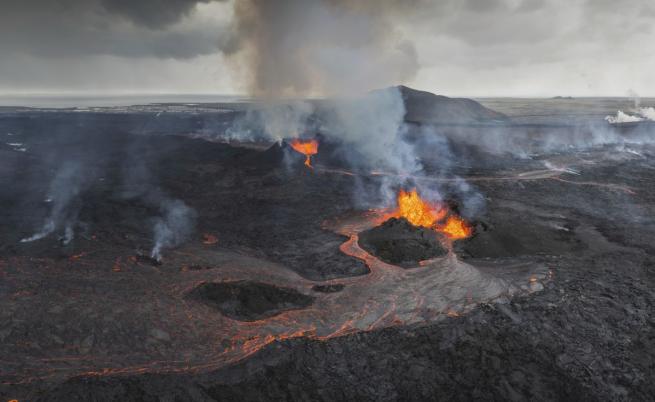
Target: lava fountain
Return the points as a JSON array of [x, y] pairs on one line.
[[455, 228], [307, 148], [436, 216]]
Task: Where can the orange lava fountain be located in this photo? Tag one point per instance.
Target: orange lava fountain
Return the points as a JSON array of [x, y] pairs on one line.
[[456, 228], [422, 213], [307, 148], [418, 212]]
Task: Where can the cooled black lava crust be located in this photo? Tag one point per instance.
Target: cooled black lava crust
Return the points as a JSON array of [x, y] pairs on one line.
[[250, 301], [398, 242]]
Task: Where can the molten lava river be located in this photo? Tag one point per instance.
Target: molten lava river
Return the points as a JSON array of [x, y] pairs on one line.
[[190, 335]]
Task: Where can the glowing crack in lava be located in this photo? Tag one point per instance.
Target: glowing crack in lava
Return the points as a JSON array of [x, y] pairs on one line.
[[307, 148], [423, 213]]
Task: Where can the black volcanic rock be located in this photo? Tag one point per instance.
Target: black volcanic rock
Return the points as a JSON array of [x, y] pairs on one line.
[[273, 155], [333, 288], [514, 235], [250, 301], [398, 242], [428, 108], [142, 258]]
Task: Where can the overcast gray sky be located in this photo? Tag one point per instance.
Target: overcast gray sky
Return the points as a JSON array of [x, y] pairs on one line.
[[451, 47]]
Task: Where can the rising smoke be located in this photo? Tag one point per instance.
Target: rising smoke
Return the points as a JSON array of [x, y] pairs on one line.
[[372, 133], [336, 48], [87, 173], [64, 191], [639, 114], [175, 221], [636, 114], [321, 47], [173, 226]]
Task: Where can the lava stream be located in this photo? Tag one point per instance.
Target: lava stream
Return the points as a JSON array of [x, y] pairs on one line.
[[388, 296]]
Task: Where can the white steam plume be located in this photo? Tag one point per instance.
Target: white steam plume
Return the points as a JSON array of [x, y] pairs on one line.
[[640, 114], [173, 227], [64, 189]]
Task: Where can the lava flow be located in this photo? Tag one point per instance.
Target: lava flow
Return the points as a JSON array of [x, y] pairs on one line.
[[436, 216], [307, 148]]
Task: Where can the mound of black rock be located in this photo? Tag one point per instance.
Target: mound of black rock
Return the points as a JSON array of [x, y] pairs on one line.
[[249, 301], [399, 242]]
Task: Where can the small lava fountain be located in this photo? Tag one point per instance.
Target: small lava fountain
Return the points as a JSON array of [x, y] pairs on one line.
[[307, 148]]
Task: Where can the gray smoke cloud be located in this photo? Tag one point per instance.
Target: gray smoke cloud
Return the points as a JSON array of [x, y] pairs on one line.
[[373, 124], [464, 47], [309, 47], [340, 49], [336, 48]]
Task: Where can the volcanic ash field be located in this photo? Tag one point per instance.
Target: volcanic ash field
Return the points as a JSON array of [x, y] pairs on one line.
[[153, 253]]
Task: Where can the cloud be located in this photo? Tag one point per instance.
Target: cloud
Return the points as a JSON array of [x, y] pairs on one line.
[[151, 13], [295, 47], [144, 28]]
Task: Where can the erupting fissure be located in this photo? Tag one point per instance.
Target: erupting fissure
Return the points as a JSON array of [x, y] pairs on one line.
[[307, 148], [436, 216]]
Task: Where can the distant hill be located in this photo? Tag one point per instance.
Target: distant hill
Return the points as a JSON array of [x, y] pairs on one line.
[[428, 108]]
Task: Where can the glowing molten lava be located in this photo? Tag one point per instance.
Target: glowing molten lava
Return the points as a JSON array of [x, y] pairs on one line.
[[307, 148], [456, 228], [418, 212], [431, 215]]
